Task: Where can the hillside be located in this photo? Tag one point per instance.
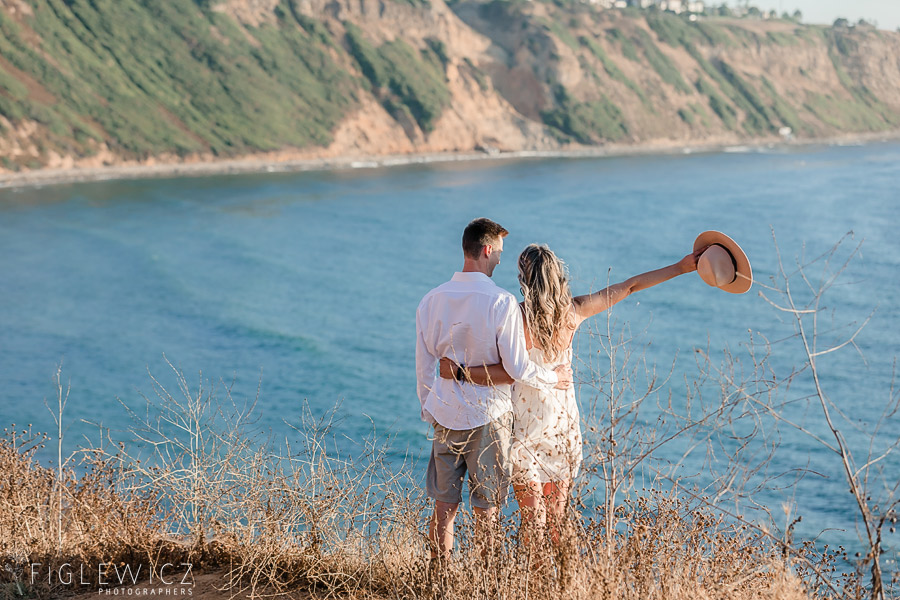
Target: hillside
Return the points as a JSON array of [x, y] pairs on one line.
[[97, 82]]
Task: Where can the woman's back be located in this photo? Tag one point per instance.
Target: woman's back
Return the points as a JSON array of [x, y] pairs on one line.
[[546, 428]]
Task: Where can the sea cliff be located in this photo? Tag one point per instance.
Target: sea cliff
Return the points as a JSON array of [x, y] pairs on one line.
[[139, 82]]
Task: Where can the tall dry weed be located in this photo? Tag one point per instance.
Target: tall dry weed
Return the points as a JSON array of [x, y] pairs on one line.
[[274, 519]]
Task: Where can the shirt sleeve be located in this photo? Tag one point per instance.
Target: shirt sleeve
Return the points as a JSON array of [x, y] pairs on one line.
[[425, 365], [513, 351]]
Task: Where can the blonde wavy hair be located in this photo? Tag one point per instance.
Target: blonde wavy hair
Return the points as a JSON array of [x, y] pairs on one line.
[[544, 280]]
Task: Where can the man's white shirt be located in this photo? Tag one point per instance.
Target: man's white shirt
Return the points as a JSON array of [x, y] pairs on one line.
[[474, 322]]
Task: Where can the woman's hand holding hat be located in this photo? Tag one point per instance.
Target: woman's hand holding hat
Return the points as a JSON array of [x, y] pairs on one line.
[[722, 263]]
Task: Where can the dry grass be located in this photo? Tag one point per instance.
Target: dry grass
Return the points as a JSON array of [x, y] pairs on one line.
[[274, 520], [69, 523]]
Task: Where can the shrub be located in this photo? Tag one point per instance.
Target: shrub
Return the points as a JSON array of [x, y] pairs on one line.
[[629, 50], [587, 122], [784, 111], [661, 63], [612, 69], [758, 117], [559, 31], [672, 29], [419, 87], [686, 115], [843, 113], [782, 39], [715, 34], [718, 104], [478, 74], [438, 49]]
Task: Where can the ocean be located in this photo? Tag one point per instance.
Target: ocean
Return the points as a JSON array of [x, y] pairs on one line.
[[300, 289]]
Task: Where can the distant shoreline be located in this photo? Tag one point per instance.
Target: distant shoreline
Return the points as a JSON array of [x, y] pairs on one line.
[[253, 165]]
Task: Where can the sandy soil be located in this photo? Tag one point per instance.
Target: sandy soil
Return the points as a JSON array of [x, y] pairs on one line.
[[285, 162]]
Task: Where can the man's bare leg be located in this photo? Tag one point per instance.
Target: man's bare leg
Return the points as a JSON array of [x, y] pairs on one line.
[[440, 529]]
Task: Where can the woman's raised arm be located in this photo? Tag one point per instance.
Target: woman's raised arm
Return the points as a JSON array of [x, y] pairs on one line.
[[592, 304]]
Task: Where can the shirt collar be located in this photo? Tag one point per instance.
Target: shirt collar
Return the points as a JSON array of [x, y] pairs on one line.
[[471, 276]]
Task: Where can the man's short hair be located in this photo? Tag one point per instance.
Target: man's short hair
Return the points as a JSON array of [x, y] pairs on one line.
[[480, 233]]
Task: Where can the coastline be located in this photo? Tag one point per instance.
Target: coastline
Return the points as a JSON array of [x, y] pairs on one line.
[[306, 161]]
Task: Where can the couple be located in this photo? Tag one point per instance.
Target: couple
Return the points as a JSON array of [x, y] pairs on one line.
[[473, 341]]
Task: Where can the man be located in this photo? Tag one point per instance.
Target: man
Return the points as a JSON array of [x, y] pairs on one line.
[[474, 322]]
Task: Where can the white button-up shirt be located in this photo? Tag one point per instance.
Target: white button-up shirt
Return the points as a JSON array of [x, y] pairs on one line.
[[474, 322]]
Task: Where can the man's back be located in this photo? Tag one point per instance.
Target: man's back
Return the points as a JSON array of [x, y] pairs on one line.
[[462, 319]]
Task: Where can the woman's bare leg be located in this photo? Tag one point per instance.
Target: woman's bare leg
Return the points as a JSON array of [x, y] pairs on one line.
[[555, 496], [532, 512]]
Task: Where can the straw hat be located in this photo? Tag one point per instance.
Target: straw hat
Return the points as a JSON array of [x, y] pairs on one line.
[[723, 265]]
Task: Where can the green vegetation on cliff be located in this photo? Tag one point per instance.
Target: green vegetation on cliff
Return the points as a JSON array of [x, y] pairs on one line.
[[406, 83], [586, 122], [611, 68], [150, 77], [661, 63]]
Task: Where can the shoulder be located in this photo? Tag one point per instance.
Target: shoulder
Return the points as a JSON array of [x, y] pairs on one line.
[[503, 308], [504, 300], [435, 291], [529, 341], [573, 310], [428, 299]]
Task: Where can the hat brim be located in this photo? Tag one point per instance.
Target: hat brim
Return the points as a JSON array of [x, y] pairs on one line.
[[743, 273]]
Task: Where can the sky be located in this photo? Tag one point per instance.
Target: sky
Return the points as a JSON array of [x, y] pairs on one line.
[[885, 12]]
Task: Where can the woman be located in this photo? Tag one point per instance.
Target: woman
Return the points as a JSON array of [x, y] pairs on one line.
[[546, 447]]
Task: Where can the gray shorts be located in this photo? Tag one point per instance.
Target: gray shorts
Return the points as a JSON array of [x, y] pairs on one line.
[[483, 452]]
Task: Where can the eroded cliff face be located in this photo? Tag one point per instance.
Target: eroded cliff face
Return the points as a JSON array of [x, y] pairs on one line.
[[479, 116], [285, 79]]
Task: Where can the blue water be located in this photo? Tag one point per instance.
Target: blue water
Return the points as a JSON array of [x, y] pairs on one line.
[[305, 285]]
